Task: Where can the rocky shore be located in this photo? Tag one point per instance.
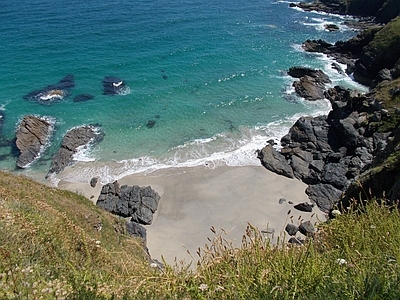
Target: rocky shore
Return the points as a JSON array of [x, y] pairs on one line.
[[344, 153]]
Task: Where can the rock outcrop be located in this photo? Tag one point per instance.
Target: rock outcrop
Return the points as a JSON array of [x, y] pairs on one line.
[[380, 56], [53, 92], [328, 152], [373, 56], [32, 135], [75, 138], [312, 82], [139, 203], [382, 10]]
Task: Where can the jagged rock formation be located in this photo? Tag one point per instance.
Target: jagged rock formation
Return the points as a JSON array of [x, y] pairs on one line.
[[140, 203], [380, 59], [312, 82], [329, 152], [31, 137], [72, 141], [382, 10]]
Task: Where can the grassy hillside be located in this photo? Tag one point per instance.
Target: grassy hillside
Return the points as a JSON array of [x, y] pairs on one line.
[[57, 245]]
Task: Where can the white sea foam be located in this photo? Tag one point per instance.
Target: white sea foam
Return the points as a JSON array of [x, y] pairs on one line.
[[325, 62], [3, 106], [85, 153], [124, 91], [229, 148]]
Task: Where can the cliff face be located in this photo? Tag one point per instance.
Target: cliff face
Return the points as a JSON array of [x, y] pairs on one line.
[[355, 150], [383, 10], [383, 52]]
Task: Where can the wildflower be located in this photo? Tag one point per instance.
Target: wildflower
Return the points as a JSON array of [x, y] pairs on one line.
[[341, 261], [203, 287], [154, 265]]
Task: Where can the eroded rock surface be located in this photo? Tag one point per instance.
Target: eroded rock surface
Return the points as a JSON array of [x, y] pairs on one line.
[[75, 138], [140, 203], [31, 137]]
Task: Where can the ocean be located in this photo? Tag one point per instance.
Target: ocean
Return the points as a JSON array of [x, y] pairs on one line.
[[206, 81]]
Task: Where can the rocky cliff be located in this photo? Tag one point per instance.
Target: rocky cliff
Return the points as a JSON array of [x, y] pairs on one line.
[[382, 10], [355, 149]]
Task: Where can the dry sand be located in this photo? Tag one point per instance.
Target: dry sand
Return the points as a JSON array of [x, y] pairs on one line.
[[194, 199]]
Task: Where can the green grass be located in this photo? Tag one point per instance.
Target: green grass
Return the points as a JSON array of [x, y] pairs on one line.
[[51, 248]]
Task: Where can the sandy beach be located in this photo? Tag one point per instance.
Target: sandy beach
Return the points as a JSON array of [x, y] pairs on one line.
[[195, 199]]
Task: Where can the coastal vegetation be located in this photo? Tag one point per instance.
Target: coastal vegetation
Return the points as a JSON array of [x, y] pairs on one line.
[[55, 244]]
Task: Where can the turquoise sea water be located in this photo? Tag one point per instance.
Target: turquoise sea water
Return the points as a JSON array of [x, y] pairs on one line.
[[210, 73]]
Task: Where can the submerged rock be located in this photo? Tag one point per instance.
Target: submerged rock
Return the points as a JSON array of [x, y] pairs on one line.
[[83, 97], [31, 137], [113, 85], [150, 123], [54, 92], [74, 139]]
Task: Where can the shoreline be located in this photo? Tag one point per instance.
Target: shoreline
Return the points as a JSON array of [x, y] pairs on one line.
[[195, 199]]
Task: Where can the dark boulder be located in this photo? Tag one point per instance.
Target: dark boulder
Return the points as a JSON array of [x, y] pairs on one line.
[[335, 174], [54, 92], [309, 89], [331, 27], [299, 71], [291, 229], [113, 85], [31, 137], [93, 181], [275, 161], [83, 97], [75, 138], [136, 230], [281, 200], [324, 195], [307, 228], [312, 82], [319, 46], [139, 203], [296, 241], [150, 123], [306, 207]]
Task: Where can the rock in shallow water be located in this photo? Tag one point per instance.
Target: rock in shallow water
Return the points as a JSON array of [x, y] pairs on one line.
[[113, 85], [72, 141], [54, 92], [31, 138]]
